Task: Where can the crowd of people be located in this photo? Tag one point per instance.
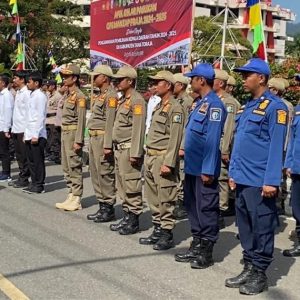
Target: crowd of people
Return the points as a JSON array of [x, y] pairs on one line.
[[191, 150]]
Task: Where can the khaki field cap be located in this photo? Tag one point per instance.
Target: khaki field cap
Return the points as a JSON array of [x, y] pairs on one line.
[[125, 72], [182, 79], [70, 70], [164, 75], [277, 84], [231, 81], [102, 69], [221, 74], [285, 82]]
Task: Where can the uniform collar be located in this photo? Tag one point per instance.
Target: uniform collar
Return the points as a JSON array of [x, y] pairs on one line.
[[263, 97]]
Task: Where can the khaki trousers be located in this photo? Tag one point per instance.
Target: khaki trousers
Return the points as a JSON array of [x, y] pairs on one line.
[[102, 171], [129, 183], [71, 163], [224, 188], [161, 192]]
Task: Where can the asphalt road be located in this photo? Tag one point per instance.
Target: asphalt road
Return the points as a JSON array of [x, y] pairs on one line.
[[50, 254]]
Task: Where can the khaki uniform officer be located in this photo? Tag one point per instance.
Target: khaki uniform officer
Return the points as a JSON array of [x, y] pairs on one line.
[[128, 138], [162, 162], [277, 86], [230, 85], [186, 102], [232, 107], [101, 158], [73, 125]]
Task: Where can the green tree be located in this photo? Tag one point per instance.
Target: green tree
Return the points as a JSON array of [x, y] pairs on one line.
[[44, 31], [293, 48]]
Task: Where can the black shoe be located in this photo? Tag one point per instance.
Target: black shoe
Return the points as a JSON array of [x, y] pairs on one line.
[[236, 282], [191, 254], [204, 259], [153, 237], [180, 212], [221, 222], [92, 217], [18, 184], [34, 190], [256, 283], [123, 222], [132, 226], [107, 213], [293, 252], [165, 241]]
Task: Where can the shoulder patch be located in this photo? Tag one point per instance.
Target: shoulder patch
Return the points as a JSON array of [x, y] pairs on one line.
[[215, 114], [230, 108], [82, 103], [112, 102], [281, 116], [263, 105], [177, 118], [203, 108], [138, 109]]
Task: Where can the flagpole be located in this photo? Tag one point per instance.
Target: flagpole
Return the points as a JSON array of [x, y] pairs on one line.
[[263, 32]]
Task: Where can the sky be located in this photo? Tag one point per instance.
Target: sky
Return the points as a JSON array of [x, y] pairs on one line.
[[294, 5]]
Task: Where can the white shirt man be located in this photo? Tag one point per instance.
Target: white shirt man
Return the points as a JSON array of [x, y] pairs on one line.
[[6, 110], [36, 112], [152, 103], [35, 134], [19, 119]]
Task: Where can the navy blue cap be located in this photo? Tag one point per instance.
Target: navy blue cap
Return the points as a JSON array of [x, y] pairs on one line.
[[202, 70], [255, 65], [297, 77]]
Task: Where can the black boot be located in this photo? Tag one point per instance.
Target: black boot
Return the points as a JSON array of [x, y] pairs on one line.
[[132, 225], [153, 237], [92, 217], [123, 222], [204, 259], [242, 278], [293, 252], [107, 213], [180, 212], [191, 254], [256, 283], [165, 241]]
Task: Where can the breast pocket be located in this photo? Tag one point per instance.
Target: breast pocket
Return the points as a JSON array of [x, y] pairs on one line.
[[198, 124], [99, 107], [160, 124], [124, 116], [254, 124]]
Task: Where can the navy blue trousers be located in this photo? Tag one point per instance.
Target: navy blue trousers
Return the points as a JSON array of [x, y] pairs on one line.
[[202, 205], [295, 201], [256, 220]]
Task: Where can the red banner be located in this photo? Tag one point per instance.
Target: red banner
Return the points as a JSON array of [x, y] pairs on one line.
[[141, 32]]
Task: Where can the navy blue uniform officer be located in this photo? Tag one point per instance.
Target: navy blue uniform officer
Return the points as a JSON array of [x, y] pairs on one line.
[[255, 172], [202, 163]]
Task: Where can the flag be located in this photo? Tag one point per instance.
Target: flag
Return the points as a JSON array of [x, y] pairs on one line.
[[52, 62], [14, 4], [256, 25]]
